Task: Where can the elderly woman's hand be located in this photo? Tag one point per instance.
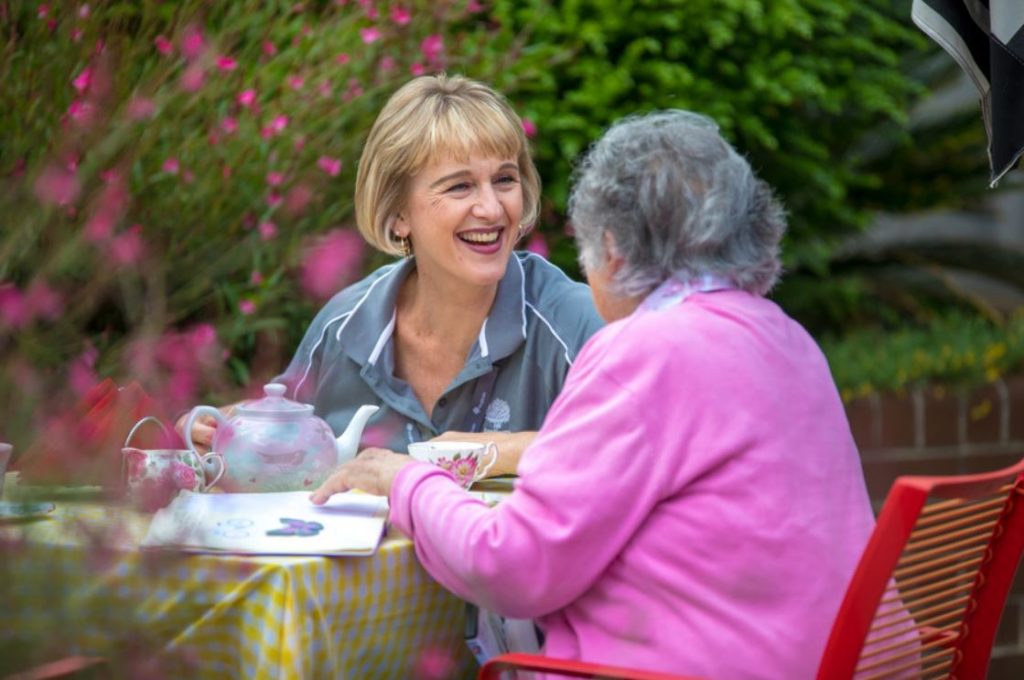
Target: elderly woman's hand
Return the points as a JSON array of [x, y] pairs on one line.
[[372, 471]]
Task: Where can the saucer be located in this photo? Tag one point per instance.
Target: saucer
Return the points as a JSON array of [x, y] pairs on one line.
[[13, 510]]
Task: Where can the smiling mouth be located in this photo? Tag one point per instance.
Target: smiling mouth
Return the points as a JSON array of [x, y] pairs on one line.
[[483, 238]]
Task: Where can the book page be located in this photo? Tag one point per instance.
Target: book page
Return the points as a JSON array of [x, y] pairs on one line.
[[283, 523]]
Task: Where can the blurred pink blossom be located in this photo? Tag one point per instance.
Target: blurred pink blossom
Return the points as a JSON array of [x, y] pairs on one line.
[[417, 69], [324, 88], [268, 230], [81, 372], [331, 262], [225, 171], [82, 80], [369, 35], [275, 179], [296, 82], [83, 11], [51, 25], [140, 108], [355, 89], [193, 78], [401, 15], [537, 244], [127, 247], [473, 6], [432, 47], [13, 310], [192, 42], [226, 64], [372, 13], [274, 199], [255, 278], [300, 142], [387, 63], [342, 59], [43, 11], [188, 177], [332, 166], [163, 45], [297, 199], [171, 166], [246, 306], [229, 125], [76, 34], [269, 48], [529, 127], [43, 302], [81, 112], [57, 185], [247, 97], [99, 228]]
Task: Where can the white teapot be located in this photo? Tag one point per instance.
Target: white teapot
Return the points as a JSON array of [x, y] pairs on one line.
[[276, 444]]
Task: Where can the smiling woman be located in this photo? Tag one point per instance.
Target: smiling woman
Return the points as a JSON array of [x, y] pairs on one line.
[[463, 338]]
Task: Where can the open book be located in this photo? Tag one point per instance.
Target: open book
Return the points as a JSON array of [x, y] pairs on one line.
[[283, 523]]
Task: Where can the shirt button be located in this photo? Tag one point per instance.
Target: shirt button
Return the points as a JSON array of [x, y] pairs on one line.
[[442, 402]]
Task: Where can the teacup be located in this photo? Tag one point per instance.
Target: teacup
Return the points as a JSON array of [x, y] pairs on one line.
[[154, 476], [462, 459]]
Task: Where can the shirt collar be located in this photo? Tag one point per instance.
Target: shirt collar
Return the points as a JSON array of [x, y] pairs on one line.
[[372, 323]]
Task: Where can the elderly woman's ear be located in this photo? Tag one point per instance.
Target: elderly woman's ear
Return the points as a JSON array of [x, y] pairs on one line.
[[611, 304]]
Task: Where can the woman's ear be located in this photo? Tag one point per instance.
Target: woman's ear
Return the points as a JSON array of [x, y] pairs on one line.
[[396, 225], [613, 259]]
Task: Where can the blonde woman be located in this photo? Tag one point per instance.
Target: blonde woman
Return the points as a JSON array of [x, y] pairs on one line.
[[462, 337]]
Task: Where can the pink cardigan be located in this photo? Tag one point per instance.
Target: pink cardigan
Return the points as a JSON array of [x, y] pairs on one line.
[[694, 502]]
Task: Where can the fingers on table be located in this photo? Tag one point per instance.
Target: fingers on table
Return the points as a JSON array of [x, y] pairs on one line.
[[335, 484]]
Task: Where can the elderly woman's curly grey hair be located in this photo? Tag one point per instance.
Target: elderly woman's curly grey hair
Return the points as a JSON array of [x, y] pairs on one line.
[[677, 199]]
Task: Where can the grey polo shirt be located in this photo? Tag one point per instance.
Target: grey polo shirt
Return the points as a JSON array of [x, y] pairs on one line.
[[539, 321]]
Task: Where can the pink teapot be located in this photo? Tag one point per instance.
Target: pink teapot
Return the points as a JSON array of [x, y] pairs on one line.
[[276, 444]]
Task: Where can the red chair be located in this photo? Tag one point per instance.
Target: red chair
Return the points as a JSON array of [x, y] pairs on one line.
[[927, 594]]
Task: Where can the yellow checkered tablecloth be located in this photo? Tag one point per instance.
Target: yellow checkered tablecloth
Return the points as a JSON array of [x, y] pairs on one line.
[[223, 616]]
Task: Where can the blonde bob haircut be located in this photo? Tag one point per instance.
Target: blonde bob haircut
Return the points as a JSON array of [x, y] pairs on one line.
[[427, 119]]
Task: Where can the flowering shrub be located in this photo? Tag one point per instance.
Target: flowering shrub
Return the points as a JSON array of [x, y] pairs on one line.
[[177, 181]]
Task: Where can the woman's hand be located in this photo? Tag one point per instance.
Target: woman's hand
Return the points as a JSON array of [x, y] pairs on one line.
[[372, 471], [510, 447], [203, 428]]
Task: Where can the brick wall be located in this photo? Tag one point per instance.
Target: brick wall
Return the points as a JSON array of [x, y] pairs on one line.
[[944, 432]]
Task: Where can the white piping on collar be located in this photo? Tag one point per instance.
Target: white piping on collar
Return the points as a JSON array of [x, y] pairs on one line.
[[347, 316], [484, 352], [382, 341], [550, 328], [522, 285]]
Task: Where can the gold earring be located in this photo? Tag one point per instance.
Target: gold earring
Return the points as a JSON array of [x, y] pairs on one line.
[[404, 244]]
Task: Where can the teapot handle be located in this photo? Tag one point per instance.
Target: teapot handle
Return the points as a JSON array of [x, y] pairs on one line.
[[195, 413]]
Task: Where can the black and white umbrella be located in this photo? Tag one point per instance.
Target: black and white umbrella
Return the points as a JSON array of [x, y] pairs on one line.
[[986, 37]]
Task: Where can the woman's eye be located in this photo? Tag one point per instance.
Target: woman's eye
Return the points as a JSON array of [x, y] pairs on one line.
[[461, 186], [507, 179]]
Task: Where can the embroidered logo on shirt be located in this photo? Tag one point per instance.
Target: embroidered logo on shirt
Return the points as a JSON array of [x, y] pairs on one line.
[[498, 413]]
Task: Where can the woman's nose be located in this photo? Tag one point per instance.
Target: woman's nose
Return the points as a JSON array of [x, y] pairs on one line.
[[487, 206]]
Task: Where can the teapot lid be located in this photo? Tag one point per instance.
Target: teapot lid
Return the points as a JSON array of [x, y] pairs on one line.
[[275, 404]]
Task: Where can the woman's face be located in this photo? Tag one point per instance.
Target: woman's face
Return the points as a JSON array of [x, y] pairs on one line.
[[463, 218]]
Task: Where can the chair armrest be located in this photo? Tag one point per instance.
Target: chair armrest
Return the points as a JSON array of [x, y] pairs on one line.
[[493, 669]]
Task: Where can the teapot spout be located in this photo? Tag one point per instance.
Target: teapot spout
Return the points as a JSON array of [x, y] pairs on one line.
[[348, 442]]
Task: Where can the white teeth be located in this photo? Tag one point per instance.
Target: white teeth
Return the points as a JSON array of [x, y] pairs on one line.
[[480, 237]]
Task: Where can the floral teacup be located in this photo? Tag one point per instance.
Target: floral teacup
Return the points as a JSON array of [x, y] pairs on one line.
[[462, 459], [154, 476]]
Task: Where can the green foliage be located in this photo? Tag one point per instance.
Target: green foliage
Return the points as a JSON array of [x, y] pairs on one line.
[[955, 350]]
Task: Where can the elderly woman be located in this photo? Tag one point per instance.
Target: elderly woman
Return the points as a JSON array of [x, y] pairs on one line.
[[462, 335], [694, 501]]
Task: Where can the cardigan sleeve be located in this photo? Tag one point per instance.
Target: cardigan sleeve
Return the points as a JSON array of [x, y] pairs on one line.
[[586, 485]]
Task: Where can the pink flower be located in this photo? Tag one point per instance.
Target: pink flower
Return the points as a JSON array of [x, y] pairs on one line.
[[13, 310], [76, 34], [42, 11], [324, 88], [247, 97], [331, 262], [274, 199], [275, 179], [538, 245], [81, 112], [193, 78], [127, 248], [432, 47], [332, 166], [269, 49], [417, 69], [192, 42], [268, 230], [183, 475], [246, 306], [369, 35], [401, 15], [83, 11], [387, 63], [529, 127], [342, 59], [171, 166], [57, 185], [188, 177], [43, 302], [163, 45], [82, 80], [229, 125], [226, 64], [81, 373], [278, 124], [473, 7], [300, 143], [296, 82], [297, 199], [255, 278], [140, 108], [355, 89]]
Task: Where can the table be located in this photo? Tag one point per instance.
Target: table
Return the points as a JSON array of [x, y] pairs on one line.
[[75, 581]]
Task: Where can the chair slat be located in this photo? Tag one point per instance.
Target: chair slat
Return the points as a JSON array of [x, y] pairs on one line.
[[914, 603], [913, 593], [915, 663], [985, 527], [917, 644], [963, 509], [971, 542], [946, 607], [966, 519], [961, 561]]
